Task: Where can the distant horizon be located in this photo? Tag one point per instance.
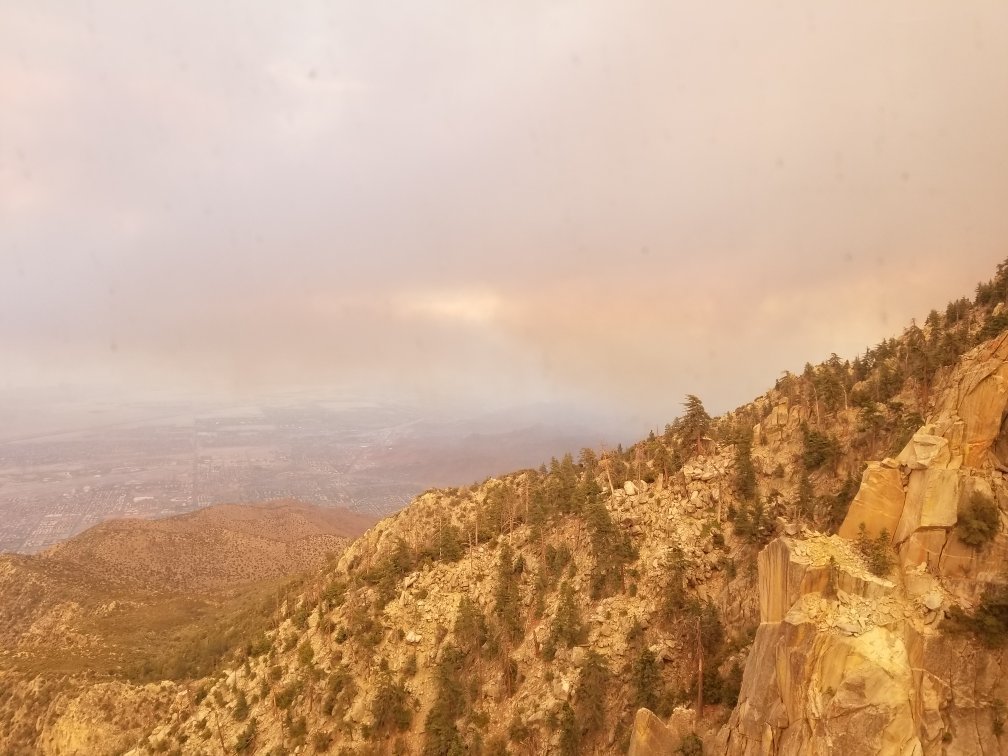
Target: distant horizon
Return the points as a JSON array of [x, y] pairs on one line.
[[83, 414], [625, 422]]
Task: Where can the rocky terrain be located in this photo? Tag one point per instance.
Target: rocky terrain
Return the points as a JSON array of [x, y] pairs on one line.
[[845, 661], [596, 606], [519, 615], [818, 571]]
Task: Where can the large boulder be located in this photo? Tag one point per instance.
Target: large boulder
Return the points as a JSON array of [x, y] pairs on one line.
[[878, 503], [809, 692], [652, 737], [975, 395], [925, 450]]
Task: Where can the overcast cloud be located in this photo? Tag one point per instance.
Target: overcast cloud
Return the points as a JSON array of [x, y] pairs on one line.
[[615, 202]]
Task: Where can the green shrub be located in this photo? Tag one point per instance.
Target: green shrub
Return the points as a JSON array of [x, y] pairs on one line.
[[979, 521], [410, 668], [507, 599], [391, 707], [646, 681], [557, 560], [321, 740], [989, 622], [285, 697], [590, 702], [470, 627], [745, 472], [241, 709], [440, 725], [340, 692], [819, 450], [731, 686], [570, 742], [306, 653], [247, 737], [875, 551], [753, 523], [840, 502], [568, 628], [691, 745], [612, 548]]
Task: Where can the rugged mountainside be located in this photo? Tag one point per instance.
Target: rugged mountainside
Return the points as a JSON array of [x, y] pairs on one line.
[[85, 624], [542, 626], [849, 662], [539, 611], [679, 595]]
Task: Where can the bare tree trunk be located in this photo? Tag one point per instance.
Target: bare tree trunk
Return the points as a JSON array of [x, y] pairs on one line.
[[699, 695], [526, 497], [220, 734], [471, 549]]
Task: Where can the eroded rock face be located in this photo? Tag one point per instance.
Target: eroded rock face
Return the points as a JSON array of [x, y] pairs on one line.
[[651, 736], [781, 423], [790, 568], [976, 394], [878, 503], [829, 670], [848, 663], [831, 694]]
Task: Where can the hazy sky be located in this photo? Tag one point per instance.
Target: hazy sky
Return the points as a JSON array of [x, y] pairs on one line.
[[615, 202]]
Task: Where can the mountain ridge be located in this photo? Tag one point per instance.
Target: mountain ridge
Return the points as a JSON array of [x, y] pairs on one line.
[[135, 600], [552, 610]]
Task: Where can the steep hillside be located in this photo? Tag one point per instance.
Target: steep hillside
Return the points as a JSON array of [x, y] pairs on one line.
[[537, 609], [613, 602], [909, 659], [545, 610], [85, 623]]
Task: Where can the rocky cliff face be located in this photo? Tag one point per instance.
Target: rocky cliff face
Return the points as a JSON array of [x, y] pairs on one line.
[[845, 661]]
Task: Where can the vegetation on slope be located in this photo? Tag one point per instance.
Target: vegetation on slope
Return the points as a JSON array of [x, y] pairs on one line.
[[542, 608]]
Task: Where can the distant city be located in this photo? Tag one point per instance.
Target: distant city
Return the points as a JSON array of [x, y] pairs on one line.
[[370, 459]]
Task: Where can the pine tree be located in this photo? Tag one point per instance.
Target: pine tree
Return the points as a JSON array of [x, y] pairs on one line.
[[805, 496], [695, 422], [507, 602], [745, 472], [591, 695]]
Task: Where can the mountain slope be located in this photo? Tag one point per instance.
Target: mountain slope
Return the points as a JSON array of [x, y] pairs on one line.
[[212, 548], [130, 601], [549, 610], [565, 598], [846, 661]]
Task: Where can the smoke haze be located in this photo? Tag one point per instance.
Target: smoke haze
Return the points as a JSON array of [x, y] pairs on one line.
[[607, 203]]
